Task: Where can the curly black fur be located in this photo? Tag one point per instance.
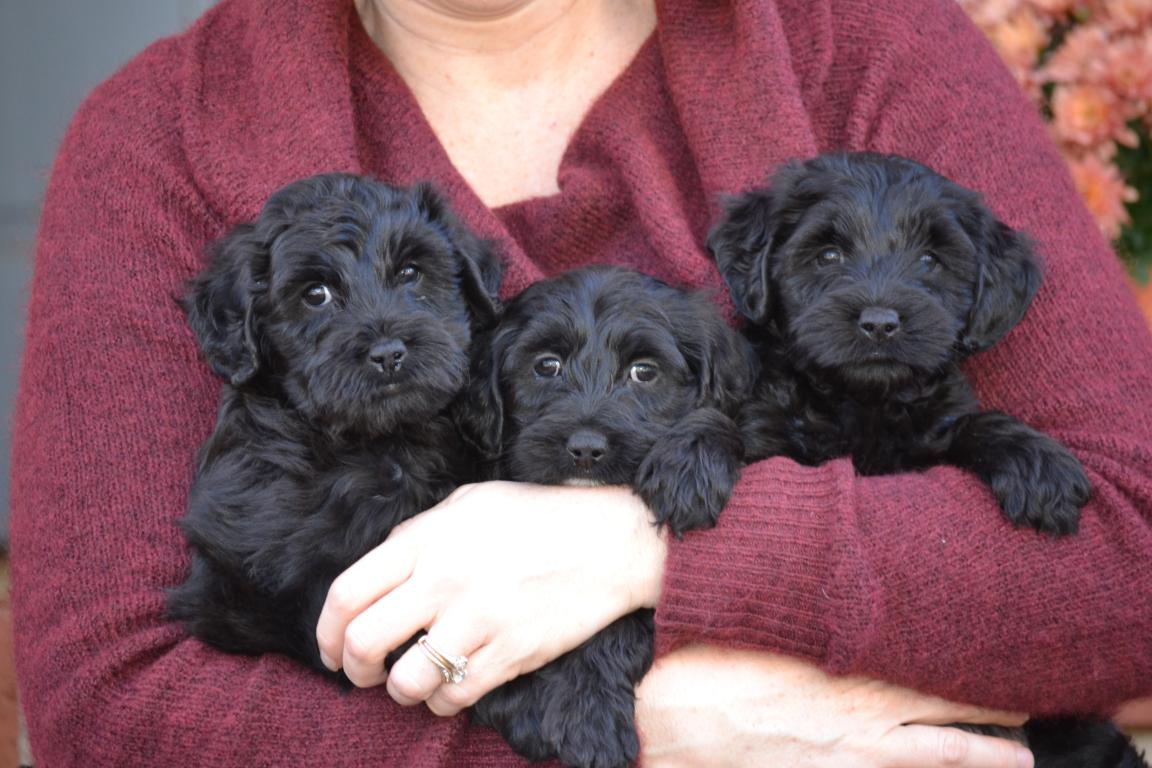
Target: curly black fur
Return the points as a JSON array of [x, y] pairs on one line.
[[595, 377], [867, 279], [341, 320]]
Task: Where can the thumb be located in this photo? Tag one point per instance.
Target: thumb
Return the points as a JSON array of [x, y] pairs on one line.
[[928, 746]]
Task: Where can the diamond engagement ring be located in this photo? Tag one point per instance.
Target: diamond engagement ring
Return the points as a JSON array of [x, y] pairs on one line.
[[452, 668]]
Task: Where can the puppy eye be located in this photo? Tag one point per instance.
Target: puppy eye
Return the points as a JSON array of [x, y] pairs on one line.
[[409, 273], [317, 295], [830, 256], [928, 261], [547, 367], [643, 372]]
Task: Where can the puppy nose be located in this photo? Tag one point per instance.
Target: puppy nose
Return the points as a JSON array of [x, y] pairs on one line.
[[879, 323], [387, 355], [587, 448]]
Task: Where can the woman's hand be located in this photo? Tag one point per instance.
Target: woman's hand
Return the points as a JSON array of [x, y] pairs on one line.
[[509, 574], [711, 707]]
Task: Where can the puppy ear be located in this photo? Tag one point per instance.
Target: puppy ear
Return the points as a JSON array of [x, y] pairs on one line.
[[728, 370], [740, 243], [723, 360], [1009, 276], [479, 411], [219, 304], [481, 270]]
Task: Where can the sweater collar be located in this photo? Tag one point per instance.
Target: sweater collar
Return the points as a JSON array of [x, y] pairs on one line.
[[729, 70], [279, 105], [267, 99]]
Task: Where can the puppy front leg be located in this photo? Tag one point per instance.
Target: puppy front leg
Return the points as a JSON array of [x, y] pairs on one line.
[[1035, 479], [688, 476], [580, 708]]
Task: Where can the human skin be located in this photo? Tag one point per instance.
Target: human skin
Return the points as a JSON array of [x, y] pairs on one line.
[[702, 706], [505, 83]]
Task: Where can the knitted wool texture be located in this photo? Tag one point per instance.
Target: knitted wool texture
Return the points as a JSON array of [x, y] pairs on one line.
[[914, 578]]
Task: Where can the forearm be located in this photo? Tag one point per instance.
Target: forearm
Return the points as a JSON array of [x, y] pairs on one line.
[[915, 578], [705, 706]]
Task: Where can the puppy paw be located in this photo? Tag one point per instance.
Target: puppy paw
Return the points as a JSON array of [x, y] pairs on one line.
[[579, 708], [687, 477], [582, 721], [1041, 485], [513, 711], [604, 736], [575, 709]]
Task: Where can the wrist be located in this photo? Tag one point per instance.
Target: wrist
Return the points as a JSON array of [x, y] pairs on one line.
[[630, 544], [647, 578]]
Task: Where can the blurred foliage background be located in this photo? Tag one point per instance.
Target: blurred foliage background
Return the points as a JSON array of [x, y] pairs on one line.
[[1087, 64]]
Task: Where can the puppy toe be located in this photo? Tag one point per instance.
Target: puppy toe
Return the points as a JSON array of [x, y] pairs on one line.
[[684, 498], [687, 479], [599, 737], [1044, 491], [513, 710]]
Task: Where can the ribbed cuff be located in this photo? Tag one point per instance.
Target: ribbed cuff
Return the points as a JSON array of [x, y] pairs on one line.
[[762, 579]]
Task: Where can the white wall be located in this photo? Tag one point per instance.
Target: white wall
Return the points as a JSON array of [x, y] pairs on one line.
[[52, 52]]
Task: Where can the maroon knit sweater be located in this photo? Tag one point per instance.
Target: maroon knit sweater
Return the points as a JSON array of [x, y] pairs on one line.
[[913, 578]]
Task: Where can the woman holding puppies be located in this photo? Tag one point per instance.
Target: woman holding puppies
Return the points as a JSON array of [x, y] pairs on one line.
[[569, 132]]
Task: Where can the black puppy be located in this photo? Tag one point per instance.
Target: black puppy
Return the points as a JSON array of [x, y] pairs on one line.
[[341, 320], [606, 377], [867, 280]]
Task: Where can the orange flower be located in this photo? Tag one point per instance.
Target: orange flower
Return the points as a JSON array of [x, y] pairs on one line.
[[1101, 78], [988, 13], [1080, 58], [1104, 192], [1088, 115], [1123, 14], [1020, 38], [1129, 64]]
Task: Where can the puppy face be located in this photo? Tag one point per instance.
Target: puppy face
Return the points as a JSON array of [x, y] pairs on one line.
[[353, 300], [588, 370], [873, 267]]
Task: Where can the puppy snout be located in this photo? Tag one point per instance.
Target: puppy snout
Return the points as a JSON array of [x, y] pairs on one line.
[[879, 323], [387, 355], [587, 448]]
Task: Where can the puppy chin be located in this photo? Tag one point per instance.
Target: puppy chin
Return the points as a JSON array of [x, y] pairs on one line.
[[400, 406], [879, 374], [859, 366], [376, 409], [583, 482]]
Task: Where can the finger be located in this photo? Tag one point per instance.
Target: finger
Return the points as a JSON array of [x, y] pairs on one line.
[[413, 678], [483, 677], [364, 582], [380, 628], [416, 678], [929, 746]]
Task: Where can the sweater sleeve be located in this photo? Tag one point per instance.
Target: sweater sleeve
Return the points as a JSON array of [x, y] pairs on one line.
[[916, 578], [112, 406]]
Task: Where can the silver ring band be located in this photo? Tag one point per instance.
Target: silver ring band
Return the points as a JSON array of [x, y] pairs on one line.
[[452, 668]]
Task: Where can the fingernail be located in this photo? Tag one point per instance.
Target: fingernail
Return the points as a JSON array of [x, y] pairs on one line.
[[1023, 758], [328, 662]]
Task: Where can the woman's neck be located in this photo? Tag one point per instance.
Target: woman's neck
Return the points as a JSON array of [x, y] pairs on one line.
[[505, 83], [508, 43]]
